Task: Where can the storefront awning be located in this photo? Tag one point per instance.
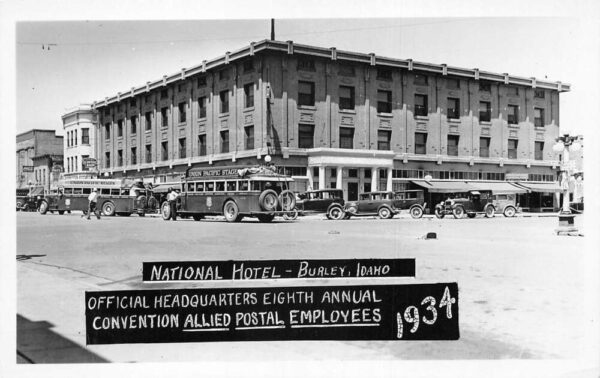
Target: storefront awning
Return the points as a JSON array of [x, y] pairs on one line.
[[497, 187], [163, 188], [36, 191], [542, 187], [445, 186]]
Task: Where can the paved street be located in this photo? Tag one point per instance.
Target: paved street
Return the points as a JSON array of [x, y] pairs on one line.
[[521, 287]]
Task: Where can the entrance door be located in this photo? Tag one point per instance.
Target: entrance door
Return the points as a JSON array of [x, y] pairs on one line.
[[352, 191]]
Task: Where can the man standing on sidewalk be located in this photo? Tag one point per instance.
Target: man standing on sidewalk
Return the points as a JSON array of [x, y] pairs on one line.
[[93, 201], [172, 198]]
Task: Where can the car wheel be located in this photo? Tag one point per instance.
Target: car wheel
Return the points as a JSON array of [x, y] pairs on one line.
[[108, 209], [458, 212], [268, 200], [25, 207], [265, 218], [509, 212], [19, 205], [416, 212], [439, 213], [43, 207], [489, 212], [287, 199], [291, 215], [384, 213], [472, 215], [335, 213], [165, 211], [231, 211]]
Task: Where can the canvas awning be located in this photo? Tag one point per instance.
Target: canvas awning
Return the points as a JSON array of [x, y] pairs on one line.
[[164, 188], [38, 190], [499, 187], [445, 186], [541, 187]]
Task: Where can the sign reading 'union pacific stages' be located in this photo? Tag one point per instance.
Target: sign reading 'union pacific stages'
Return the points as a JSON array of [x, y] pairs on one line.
[[389, 312], [227, 172]]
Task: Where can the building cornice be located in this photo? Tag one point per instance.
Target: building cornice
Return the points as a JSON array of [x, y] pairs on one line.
[[332, 53]]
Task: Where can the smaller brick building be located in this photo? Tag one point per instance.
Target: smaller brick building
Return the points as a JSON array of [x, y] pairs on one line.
[[32, 169]]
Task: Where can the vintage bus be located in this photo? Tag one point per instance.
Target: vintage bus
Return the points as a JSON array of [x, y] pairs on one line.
[[115, 197], [233, 192]]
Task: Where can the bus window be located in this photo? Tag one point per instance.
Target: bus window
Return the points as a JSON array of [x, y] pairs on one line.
[[68, 191], [105, 191], [124, 192], [191, 187], [231, 186], [87, 190], [77, 190], [199, 186], [256, 185], [210, 186], [220, 186], [243, 185], [114, 192]]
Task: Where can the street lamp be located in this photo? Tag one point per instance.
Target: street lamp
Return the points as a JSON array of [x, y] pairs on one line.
[[565, 144]]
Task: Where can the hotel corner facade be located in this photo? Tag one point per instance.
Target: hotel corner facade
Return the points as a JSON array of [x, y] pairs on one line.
[[333, 118]]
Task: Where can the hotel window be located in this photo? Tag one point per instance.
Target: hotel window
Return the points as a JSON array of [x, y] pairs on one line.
[[248, 65], [538, 117], [120, 128], [107, 160], [539, 93], [132, 103], [512, 91], [453, 83], [306, 136], [513, 114], [202, 145], [539, 150], [164, 151], [107, 131], [202, 81], [485, 111], [306, 65], [83, 159], [452, 145], [182, 148], [164, 116], [164, 94], [224, 74], [306, 93], [224, 141], [249, 140], [453, 108], [202, 107], [346, 70], [484, 147], [346, 97], [148, 153], [224, 101], [421, 105], [346, 137], [148, 120], [181, 87], [420, 80], [485, 86], [420, 143], [182, 112], [512, 148], [249, 95], [384, 101], [133, 121], [85, 135], [133, 155], [75, 137], [384, 74], [383, 140]]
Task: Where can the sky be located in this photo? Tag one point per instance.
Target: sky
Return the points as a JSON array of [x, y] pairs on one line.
[[61, 64]]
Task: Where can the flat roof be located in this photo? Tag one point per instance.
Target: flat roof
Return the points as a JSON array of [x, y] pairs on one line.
[[289, 47]]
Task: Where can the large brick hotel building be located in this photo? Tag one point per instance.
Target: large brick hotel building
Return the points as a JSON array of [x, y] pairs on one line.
[[335, 118]]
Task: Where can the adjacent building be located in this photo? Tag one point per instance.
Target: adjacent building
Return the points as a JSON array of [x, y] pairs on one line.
[[39, 158], [80, 139], [333, 118]]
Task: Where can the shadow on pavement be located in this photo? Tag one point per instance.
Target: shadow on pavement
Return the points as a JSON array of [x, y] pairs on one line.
[[27, 257], [38, 344]]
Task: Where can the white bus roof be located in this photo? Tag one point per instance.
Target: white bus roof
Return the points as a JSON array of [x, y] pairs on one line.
[[92, 183]]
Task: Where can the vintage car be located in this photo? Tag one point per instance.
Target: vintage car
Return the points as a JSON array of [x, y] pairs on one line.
[[381, 204], [506, 204], [29, 199], [411, 200], [472, 203], [327, 201]]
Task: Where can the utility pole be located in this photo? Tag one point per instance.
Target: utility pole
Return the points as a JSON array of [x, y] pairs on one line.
[[272, 29]]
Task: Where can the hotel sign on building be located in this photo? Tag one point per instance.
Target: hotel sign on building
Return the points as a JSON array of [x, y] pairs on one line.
[[332, 118]]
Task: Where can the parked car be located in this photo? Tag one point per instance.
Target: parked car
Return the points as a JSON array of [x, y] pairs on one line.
[[411, 200], [506, 204], [381, 204], [471, 204], [327, 201]]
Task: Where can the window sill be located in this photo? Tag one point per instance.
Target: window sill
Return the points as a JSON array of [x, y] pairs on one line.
[[347, 111], [184, 123], [202, 119], [485, 123], [249, 109], [307, 107], [454, 120], [224, 115], [540, 128], [422, 118], [148, 131], [385, 115], [513, 125]]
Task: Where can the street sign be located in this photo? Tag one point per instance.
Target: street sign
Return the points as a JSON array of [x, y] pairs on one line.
[[89, 163], [27, 168]]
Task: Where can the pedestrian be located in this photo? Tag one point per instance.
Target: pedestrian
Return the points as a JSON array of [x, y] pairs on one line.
[[92, 202], [172, 199]]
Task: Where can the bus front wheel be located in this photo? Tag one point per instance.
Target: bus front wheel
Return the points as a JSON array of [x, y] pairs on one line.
[[268, 200], [231, 211], [43, 207], [165, 211], [108, 209]]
